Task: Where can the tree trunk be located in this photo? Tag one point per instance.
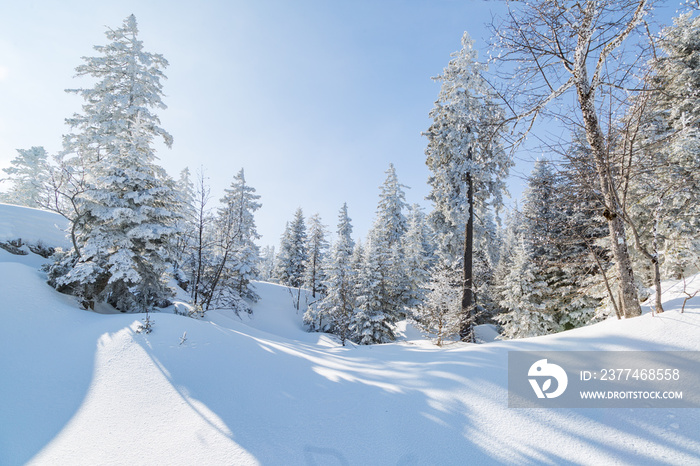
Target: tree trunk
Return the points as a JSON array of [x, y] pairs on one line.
[[594, 134], [466, 332]]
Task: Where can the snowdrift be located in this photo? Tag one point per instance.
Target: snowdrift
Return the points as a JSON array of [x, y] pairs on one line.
[[78, 387]]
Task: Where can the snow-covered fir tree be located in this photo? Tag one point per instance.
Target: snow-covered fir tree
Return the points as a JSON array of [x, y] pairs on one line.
[[375, 313], [585, 246], [485, 260], [522, 288], [357, 260], [266, 267], [186, 224], [316, 247], [334, 312], [541, 291], [235, 254], [382, 281], [293, 254], [391, 223], [438, 316], [664, 202], [467, 162], [126, 232], [417, 261], [28, 174]]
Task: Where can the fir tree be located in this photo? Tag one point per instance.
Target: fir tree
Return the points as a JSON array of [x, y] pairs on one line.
[[267, 263], [334, 312], [417, 260], [439, 314], [316, 247], [293, 255], [664, 207], [186, 225], [236, 254], [391, 223], [126, 228], [541, 290], [467, 162], [29, 175], [375, 314]]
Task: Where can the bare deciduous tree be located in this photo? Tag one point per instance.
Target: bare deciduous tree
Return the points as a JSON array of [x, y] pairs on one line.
[[564, 47]]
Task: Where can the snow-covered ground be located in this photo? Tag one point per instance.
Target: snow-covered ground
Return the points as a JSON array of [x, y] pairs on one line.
[[78, 387]]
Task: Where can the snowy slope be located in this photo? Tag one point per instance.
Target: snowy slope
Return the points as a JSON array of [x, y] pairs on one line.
[[32, 226], [82, 388]]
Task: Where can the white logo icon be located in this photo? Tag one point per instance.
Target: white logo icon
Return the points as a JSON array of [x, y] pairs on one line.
[[543, 369]]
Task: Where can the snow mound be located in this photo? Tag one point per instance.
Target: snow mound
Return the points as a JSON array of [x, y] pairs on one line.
[[32, 226]]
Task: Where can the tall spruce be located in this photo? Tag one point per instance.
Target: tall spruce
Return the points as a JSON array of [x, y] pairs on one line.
[[125, 232], [292, 256], [541, 291], [334, 312], [316, 247], [664, 207], [236, 254], [467, 162]]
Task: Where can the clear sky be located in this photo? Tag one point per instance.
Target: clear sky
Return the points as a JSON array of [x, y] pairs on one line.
[[312, 98]]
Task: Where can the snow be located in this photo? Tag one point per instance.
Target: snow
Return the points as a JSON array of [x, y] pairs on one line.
[[79, 387], [32, 226]]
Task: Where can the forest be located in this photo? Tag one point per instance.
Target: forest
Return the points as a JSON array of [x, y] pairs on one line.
[[608, 214]]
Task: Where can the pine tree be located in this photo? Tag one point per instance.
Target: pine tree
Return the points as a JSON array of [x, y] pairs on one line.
[[334, 312], [418, 261], [316, 247], [526, 315], [236, 255], [665, 190], [125, 231], [267, 263], [29, 174], [485, 260], [588, 257], [439, 314], [466, 159], [391, 223], [382, 279], [375, 313], [293, 255], [186, 224], [541, 290]]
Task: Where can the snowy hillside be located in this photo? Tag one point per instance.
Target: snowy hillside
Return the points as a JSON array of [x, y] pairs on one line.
[[83, 388]]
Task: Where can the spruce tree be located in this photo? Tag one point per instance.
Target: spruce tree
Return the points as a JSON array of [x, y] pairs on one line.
[[125, 232], [665, 189], [391, 223], [541, 290], [467, 162], [236, 255], [375, 313], [29, 174], [334, 312], [438, 316], [417, 248], [293, 255], [316, 246], [267, 263]]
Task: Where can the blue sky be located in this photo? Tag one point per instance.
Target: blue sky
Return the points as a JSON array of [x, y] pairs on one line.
[[313, 99]]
